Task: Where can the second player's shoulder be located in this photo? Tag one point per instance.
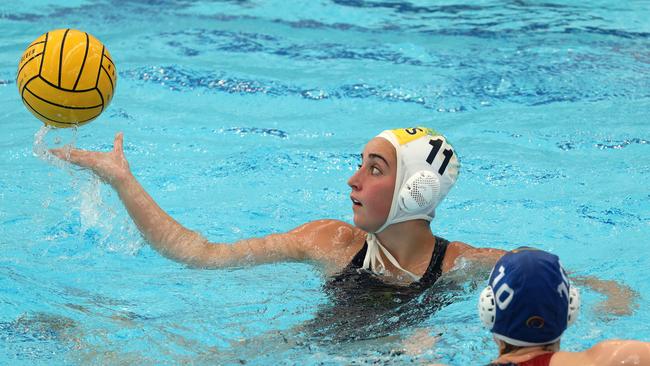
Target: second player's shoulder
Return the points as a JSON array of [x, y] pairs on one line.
[[617, 352]]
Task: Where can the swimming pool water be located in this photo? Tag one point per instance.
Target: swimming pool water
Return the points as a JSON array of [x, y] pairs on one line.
[[244, 118]]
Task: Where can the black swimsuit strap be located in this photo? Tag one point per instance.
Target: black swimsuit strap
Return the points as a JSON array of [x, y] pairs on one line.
[[435, 265], [357, 260]]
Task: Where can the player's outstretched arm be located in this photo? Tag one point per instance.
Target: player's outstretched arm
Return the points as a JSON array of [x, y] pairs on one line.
[[324, 241]]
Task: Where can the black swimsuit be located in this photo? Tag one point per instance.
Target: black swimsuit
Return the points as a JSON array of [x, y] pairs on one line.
[[354, 272], [363, 306]]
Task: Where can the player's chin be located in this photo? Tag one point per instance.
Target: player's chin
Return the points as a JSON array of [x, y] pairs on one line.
[[358, 220], [362, 223]]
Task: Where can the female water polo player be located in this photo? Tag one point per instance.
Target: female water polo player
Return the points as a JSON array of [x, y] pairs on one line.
[[403, 176], [528, 304]]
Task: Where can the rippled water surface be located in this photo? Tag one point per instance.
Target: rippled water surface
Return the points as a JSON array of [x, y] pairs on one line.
[[244, 118]]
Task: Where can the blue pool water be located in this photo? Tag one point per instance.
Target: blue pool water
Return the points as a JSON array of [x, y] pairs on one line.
[[244, 118]]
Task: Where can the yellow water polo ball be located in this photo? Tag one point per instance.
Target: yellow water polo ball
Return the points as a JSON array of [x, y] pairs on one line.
[[66, 78]]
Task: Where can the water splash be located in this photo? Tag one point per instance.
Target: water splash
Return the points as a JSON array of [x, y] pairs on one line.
[[96, 225], [41, 149], [99, 225], [91, 199]]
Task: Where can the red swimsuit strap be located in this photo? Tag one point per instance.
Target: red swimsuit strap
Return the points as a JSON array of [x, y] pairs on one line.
[[541, 360]]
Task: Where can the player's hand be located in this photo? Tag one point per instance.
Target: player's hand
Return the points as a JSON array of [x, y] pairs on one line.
[[111, 166]]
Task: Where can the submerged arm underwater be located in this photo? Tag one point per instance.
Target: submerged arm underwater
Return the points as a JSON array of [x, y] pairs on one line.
[[620, 299]]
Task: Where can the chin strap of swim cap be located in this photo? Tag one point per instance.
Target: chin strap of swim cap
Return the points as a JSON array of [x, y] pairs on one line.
[[373, 261], [427, 168]]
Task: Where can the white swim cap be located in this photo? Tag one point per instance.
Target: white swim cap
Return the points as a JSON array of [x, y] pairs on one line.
[[427, 168]]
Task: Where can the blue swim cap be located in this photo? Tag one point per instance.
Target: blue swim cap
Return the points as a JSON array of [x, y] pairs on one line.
[[529, 300]]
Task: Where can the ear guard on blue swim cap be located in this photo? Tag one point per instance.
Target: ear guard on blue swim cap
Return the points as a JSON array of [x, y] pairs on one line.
[[529, 300]]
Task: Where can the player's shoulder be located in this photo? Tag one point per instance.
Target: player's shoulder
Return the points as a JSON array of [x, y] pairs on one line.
[[608, 352], [459, 246], [332, 242], [330, 232], [619, 350], [457, 251], [327, 225]]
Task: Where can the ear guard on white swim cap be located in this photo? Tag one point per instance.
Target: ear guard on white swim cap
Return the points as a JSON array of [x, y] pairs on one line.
[[421, 190], [427, 168], [574, 305], [533, 302], [487, 306]]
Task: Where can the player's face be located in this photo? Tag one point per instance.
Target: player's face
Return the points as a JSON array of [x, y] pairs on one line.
[[373, 184]]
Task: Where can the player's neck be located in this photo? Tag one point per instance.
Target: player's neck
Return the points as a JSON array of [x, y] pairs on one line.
[[522, 354], [410, 242]]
